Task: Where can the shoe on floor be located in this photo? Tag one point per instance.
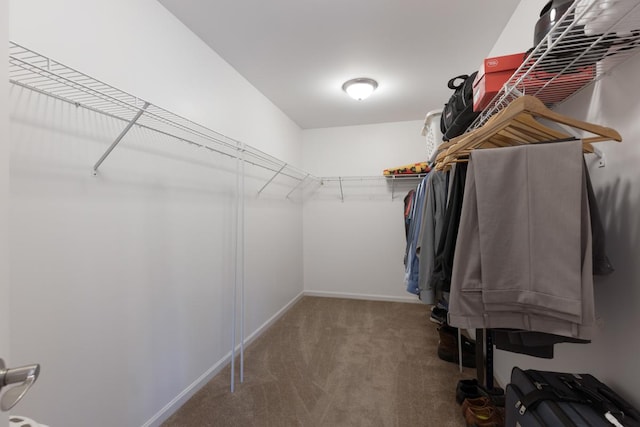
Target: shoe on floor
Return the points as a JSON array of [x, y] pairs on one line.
[[441, 304], [438, 315], [497, 396], [448, 347], [487, 416], [467, 389], [476, 403], [449, 353]]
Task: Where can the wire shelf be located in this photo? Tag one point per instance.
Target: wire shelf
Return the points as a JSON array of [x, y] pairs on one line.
[[586, 43], [381, 178], [394, 182], [49, 77]]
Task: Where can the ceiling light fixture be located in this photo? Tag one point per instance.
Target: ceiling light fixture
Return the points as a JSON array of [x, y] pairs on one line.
[[360, 88]]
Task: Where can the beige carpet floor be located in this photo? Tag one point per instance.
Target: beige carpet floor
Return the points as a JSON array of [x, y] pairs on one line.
[[336, 362]]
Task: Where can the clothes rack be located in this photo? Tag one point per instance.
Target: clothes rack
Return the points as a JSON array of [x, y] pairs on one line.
[[517, 124]]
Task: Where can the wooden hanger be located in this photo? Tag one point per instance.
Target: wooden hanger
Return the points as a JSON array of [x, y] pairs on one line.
[[517, 125]]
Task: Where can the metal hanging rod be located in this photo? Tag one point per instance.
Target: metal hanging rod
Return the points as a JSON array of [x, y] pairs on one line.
[[342, 180], [172, 135], [372, 177], [43, 75]]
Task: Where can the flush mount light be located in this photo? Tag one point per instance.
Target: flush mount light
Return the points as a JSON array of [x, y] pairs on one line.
[[360, 88]]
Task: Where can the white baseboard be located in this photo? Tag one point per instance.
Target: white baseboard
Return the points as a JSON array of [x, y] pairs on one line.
[[188, 392], [248, 340], [368, 297]]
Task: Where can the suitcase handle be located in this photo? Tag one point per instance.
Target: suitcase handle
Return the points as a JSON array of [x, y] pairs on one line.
[[611, 412], [620, 403]]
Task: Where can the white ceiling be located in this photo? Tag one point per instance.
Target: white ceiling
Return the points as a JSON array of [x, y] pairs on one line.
[[299, 52]]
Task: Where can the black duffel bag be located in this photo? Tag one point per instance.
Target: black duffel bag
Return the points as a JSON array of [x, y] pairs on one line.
[[458, 113]]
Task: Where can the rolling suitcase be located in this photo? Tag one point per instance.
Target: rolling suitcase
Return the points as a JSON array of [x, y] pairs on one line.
[[554, 399]]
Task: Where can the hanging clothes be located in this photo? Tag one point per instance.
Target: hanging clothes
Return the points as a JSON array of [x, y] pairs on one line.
[[523, 256], [537, 344], [412, 269], [445, 250], [601, 264], [540, 344], [408, 206], [432, 224]]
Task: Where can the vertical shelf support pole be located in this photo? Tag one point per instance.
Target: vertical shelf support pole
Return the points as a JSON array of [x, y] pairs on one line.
[[459, 350], [272, 178], [238, 285], [234, 306], [341, 192], [119, 138], [480, 356], [241, 255], [489, 358]]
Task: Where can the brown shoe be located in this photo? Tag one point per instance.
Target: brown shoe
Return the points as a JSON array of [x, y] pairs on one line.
[[487, 416], [448, 347], [478, 402]]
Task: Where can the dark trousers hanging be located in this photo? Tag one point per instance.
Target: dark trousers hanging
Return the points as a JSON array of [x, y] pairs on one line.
[[443, 266]]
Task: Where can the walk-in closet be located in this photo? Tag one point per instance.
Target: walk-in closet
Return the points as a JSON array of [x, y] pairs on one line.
[[185, 185]]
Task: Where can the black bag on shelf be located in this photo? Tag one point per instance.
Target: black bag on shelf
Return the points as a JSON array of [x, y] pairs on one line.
[[542, 398], [576, 50], [458, 113]]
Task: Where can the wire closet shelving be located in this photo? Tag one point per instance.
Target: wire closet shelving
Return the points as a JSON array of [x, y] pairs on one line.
[[585, 44], [46, 76], [393, 180]]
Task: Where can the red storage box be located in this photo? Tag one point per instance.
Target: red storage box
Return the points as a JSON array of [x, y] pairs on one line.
[[500, 63], [492, 75]]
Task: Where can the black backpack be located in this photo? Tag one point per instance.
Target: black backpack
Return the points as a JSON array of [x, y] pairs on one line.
[[458, 113]]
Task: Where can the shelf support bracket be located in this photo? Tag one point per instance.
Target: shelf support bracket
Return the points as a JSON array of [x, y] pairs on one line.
[[298, 185], [600, 155], [393, 187], [272, 178], [119, 138], [341, 192]]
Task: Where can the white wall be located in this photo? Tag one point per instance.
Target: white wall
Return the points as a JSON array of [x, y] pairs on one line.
[[4, 197], [138, 46], [612, 354], [517, 35], [355, 248], [121, 283]]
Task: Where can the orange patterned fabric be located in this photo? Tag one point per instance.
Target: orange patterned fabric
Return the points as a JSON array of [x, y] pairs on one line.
[[410, 169]]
